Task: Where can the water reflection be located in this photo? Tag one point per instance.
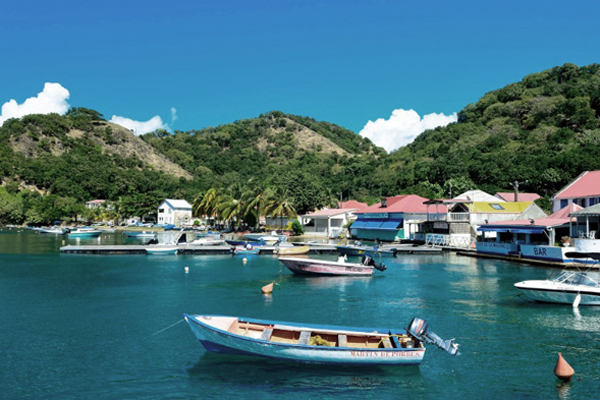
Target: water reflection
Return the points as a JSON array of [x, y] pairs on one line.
[[254, 373]]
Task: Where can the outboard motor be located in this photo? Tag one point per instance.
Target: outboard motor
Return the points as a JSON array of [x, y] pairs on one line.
[[419, 329], [369, 261]]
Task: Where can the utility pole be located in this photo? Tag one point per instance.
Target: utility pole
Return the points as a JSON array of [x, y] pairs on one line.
[[515, 185]]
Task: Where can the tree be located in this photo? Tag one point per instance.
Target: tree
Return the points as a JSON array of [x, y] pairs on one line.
[[280, 204]]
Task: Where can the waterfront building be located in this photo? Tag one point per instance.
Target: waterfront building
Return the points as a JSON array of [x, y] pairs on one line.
[[394, 218], [174, 212], [467, 212], [329, 223], [532, 238], [583, 191]]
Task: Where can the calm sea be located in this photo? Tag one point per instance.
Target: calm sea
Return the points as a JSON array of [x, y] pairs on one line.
[[92, 326]]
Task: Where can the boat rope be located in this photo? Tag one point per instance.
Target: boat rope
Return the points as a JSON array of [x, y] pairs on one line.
[[389, 336], [168, 327]]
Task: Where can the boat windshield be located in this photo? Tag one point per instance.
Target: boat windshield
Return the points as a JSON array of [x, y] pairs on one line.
[[575, 278]]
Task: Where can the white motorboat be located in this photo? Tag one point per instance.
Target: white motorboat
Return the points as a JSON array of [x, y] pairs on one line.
[[569, 287], [311, 266]]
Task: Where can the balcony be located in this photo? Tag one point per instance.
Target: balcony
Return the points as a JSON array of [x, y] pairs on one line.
[[459, 217]]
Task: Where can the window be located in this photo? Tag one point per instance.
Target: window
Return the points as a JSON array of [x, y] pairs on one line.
[[564, 203], [592, 201], [161, 210], [497, 207]]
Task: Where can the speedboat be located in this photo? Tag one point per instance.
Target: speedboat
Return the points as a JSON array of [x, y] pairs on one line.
[[573, 287], [296, 342], [311, 266]]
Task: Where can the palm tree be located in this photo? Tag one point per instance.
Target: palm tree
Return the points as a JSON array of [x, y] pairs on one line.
[[280, 203], [232, 208], [210, 203], [256, 200]]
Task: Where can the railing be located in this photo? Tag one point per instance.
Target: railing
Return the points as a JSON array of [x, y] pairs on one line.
[[459, 216], [434, 239]]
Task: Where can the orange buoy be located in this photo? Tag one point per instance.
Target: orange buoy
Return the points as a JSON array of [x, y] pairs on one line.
[[563, 370], [268, 289]]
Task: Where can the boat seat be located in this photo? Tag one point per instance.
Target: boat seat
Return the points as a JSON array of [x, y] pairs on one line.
[[386, 343], [266, 335], [304, 337], [342, 341]]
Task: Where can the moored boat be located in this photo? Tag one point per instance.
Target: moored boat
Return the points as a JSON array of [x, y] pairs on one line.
[[316, 343], [159, 249], [245, 250], [573, 287], [311, 266], [84, 232], [140, 234], [55, 231], [295, 250], [370, 251]]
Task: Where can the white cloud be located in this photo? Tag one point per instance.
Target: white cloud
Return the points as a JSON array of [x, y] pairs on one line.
[[402, 127], [53, 99], [140, 127], [173, 114]]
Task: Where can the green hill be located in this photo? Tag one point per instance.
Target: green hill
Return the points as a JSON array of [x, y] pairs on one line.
[[544, 129]]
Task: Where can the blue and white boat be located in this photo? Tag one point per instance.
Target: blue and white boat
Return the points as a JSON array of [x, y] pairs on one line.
[[316, 343], [84, 232], [140, 234], [360, 250]]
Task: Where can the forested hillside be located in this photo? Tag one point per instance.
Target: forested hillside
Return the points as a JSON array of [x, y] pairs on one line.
[[544, 129], [542, 132]]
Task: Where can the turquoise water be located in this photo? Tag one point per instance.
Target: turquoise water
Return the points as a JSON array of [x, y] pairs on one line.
[[92, 326]]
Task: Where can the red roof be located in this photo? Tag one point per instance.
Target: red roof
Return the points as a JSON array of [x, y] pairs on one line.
[[408, 203], [564, 212], [330, 213], [510, 196], [352, 204], [586, 184]]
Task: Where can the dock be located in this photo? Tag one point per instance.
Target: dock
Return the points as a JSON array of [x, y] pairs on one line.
[[183, 249]]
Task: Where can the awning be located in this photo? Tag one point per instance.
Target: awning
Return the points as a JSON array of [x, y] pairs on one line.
[[523, 229], [492, 229], [535, 230], [373, 225], [391, 224], [358, 224]]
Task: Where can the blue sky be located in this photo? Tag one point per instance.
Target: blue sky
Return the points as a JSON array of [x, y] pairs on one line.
[[194, 64]]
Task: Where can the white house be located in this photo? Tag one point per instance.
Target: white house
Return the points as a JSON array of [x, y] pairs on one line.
[[328, 223], [583, 191], [174, 212]]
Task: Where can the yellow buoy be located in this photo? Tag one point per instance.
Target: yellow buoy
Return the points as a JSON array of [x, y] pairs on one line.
[[244, 260], [187, 269], [562, 369]]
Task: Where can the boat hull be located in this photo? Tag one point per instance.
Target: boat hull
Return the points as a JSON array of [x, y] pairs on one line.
[[162, 250], [90, 234], [551, 292], [305, 266], [220, 341]]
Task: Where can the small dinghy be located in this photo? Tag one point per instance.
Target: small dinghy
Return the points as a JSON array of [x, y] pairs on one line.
[[161, 250], [316, 343]]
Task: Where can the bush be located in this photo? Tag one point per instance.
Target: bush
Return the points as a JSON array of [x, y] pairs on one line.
[[297, 227]]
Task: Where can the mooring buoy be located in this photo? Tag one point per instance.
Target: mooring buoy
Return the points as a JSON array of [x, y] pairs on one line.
[[562, 369]]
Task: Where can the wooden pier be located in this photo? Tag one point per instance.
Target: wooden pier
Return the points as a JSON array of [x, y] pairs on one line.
[[183, 249]]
